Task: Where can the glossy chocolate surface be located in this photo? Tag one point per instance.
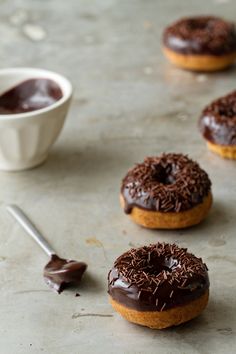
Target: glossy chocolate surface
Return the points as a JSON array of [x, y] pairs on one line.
[[157, 277], [201, 35], [60, 273], [218, 121], [30, 95], [168, 183]]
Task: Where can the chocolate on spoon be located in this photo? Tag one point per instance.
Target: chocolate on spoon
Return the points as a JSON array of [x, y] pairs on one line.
[[58, 273]]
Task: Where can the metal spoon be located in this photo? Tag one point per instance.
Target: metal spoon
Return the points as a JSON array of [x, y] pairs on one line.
[[59, 273]]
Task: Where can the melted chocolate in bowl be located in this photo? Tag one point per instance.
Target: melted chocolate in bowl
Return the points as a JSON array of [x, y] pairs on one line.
[[60, 273], [30, 95]]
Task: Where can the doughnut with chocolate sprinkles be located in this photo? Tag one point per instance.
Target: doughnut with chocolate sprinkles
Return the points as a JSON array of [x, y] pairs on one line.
[[200, 43], [218, 125], [166, 192], [159, 285]]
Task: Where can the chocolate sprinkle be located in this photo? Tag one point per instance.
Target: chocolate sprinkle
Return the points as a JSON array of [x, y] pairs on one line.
[[181, 277], [218, 120], [169, 183], [201, 35]]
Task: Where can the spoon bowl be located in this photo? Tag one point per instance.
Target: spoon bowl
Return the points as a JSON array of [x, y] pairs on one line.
[[59, 273]]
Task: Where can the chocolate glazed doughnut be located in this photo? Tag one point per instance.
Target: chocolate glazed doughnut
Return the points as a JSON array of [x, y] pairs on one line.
[[158, 286], [218, 126], [201, 43], [166, 192]]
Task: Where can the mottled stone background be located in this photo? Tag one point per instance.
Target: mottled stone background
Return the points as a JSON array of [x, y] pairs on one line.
[[128, 103]]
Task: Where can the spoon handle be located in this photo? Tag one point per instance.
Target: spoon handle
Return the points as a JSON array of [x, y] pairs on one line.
[[27, 225]]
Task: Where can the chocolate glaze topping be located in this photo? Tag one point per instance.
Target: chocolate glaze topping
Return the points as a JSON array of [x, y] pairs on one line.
[[201, 35], [218, 120], [59, 273], [157, 277], [30, 95], [169, 183]]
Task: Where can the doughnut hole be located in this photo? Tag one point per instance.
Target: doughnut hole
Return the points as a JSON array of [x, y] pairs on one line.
[[163, 174], [155, 265]]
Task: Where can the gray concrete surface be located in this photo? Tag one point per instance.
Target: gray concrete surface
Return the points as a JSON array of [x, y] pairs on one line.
[[129, 103]]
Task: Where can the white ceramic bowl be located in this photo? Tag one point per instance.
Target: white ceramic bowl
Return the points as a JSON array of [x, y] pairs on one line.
[[25, 138]]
